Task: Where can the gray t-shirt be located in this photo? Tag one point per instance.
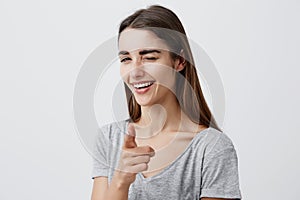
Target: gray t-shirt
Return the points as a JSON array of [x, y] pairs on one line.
[[207, 168]]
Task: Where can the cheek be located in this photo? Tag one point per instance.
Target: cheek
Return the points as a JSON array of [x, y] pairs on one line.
[[163, 74], [124, 73]]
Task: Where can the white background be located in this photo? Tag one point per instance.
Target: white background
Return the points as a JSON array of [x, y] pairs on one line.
[[254, 45]]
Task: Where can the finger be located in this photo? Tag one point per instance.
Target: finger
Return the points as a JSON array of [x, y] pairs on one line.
[[135, 168], [138, 160], [131, 129], [138, 151], [139, 168], [129, 138]]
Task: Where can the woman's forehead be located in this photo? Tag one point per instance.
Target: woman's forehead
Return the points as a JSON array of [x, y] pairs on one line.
[[134, 39]]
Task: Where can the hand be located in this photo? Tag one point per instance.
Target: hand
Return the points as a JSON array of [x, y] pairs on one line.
[[133, 159]]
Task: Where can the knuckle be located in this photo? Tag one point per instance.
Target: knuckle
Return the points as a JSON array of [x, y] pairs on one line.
[[148, 149], [147, 159], [144, 166]]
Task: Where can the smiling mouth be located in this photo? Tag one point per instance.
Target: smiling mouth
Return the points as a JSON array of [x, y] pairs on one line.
[[142, 85]]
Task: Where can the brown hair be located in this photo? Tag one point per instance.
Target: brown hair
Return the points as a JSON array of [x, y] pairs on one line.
[[192, 102]]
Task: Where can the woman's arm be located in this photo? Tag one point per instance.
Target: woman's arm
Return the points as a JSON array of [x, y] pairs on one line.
[[133, 160], [116, 190], [100, 187]]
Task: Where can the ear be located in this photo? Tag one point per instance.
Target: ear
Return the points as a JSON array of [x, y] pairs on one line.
[[180, 62]]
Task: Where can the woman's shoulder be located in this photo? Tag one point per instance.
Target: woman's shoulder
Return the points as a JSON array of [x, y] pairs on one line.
[[114, 129], [216, 141]]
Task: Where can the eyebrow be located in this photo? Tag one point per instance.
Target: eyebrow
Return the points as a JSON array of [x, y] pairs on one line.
[[146, 51], [123, 53], [143, 52]]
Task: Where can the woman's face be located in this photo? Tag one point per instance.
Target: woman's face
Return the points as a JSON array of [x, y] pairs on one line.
[[146, 66]]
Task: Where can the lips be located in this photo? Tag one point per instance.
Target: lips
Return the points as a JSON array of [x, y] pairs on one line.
[[142, 86]]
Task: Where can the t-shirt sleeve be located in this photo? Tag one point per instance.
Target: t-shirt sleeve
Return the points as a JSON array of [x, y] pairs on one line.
[[100, 154], [220, 177]]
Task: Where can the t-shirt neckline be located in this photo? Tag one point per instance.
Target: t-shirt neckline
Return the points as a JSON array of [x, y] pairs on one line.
[[200, 133]]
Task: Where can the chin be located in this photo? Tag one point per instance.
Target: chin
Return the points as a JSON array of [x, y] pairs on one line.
[[144, 101]]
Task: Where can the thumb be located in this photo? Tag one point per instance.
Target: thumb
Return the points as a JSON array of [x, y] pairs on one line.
[[129, 139]]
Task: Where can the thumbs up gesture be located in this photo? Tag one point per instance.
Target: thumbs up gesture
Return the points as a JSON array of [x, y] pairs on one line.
[[133, 159]]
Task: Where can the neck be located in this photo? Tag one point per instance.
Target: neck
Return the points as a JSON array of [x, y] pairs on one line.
[[164, 117]]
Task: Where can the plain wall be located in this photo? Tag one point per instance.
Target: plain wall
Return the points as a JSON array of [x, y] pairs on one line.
[[253, 44]]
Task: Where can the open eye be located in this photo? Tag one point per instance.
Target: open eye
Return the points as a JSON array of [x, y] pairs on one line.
[[125, 59]]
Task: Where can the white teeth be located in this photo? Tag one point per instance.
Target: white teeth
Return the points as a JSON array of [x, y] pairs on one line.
[[139, 85]]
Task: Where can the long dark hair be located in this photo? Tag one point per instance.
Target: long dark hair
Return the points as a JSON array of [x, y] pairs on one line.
[[192, 102]]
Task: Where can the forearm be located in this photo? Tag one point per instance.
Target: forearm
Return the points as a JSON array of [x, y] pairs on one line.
[[118, 189]]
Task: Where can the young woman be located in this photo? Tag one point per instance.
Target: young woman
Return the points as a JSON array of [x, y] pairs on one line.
[[171, 147]]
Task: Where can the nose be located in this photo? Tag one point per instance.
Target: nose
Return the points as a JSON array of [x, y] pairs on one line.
[[137, 71]]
